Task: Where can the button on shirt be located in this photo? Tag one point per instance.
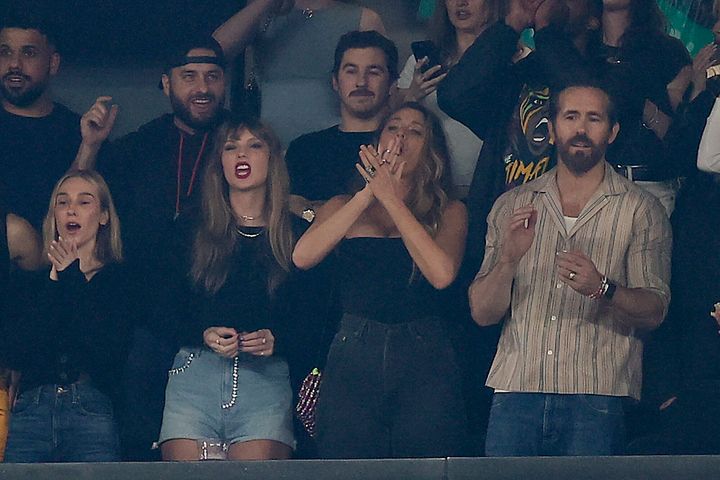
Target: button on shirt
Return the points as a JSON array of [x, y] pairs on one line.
[[557, 340]]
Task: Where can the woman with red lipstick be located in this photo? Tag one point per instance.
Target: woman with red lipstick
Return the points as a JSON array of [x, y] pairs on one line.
[[70, 354], [228, 394], [391, 387], [454, 27]]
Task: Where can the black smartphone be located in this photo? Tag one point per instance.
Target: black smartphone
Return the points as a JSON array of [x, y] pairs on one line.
[[427, 48]]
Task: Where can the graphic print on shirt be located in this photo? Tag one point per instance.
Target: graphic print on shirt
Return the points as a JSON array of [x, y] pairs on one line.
[[529, 152]]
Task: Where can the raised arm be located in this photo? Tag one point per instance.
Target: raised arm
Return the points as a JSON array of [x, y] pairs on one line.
[[370, 20], [95, 126], [332, 222], [23, 243], [438, 257], [239, 30], [509, 238]]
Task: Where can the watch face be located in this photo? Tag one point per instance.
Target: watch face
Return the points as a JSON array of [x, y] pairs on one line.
[[308, 215]]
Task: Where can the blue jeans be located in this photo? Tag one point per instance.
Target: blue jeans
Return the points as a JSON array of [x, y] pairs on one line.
[[533, 424], [391, 391], [73, 423]]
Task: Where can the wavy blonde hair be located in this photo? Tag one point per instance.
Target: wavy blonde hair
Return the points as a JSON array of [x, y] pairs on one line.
[[216, 236], [108, 244], [430, 184]]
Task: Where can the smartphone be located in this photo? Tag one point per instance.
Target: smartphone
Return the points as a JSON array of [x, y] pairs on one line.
[[427, 48]]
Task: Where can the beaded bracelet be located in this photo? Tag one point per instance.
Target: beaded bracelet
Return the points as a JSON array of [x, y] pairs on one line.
[[601, 289]]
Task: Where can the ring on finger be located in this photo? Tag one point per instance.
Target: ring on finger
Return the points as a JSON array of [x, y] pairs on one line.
[[572, 275], [370, 171], [264, 341], [217, 340]]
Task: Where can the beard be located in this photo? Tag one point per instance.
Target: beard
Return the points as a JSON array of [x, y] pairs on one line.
[[181, 109], [25, 96], [581, 161]]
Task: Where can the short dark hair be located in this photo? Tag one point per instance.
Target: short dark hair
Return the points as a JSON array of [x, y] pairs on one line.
[[587, 83], [367, 39], [28, 17]]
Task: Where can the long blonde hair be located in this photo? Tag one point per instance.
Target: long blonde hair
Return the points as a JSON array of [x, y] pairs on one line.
[[216, 237], [430, 185], [108, 244]]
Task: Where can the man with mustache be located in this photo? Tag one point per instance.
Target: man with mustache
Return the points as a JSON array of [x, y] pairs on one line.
[[322, 164], [39, 136], [154, 174], [577, 262]]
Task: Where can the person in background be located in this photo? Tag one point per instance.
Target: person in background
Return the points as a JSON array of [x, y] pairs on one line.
[[455, 26], [69, 382], [647, 72], [40, 137], [293, 42], [391, 386]]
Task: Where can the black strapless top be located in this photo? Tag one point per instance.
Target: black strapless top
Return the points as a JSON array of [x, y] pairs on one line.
[[377, 281]]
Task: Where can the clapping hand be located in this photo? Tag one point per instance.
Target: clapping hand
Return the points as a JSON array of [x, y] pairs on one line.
[[383, 172], [61, 253]]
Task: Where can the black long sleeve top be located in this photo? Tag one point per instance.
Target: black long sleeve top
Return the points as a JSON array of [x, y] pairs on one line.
[[79, 330]]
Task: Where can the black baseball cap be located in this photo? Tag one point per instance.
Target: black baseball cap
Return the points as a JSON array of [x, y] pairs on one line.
[[179, 53]]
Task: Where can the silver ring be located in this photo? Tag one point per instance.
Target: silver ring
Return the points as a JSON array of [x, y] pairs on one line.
[[572, 275], [387, 150], [264, 340], [262, 352], [383, 161], [217, 340], [371, 171]]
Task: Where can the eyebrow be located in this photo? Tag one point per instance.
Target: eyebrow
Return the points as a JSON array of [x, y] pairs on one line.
[[79, 194]]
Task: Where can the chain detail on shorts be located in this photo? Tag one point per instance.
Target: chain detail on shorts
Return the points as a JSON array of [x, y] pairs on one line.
[[178, 370], [234, 393]]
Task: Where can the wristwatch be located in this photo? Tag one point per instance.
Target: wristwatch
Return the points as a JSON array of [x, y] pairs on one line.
[[610, 290]]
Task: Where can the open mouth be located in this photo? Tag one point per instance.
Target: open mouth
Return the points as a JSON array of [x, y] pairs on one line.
[[72, 227], [242, 170], [540, 132], [462, 14]]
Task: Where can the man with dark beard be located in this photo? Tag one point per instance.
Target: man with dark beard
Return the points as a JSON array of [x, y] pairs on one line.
[[39, 137], [154, 175], [579, 260], [156, 169]]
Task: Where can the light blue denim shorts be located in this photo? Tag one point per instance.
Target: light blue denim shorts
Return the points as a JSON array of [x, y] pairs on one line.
[[233, 400]]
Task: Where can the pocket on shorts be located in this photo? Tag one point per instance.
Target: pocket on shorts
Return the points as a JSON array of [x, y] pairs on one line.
[[183, 360]]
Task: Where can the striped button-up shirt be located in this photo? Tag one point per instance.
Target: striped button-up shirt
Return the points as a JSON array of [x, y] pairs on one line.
[[555, 339]]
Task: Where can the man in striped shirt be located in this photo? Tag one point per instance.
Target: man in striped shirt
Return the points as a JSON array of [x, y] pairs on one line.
[[581, 259]]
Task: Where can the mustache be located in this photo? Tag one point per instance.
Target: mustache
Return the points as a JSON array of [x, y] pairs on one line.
[[207, 96], [581, 139], [361, 92], [16, 73]]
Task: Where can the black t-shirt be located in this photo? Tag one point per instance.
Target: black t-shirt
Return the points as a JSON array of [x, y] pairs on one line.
[[34, 154], [322, 164]]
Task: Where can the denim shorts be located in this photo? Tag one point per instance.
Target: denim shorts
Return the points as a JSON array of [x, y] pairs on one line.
[[203, 401]]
